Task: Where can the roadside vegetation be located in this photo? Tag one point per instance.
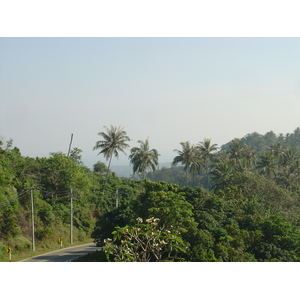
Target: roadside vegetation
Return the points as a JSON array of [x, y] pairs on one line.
[[239, 202]]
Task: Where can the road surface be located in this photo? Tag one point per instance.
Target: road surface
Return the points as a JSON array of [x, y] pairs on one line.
[[65, 254]]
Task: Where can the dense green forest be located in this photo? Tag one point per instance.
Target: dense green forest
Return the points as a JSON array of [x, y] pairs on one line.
[[239, 202], [274, 156]]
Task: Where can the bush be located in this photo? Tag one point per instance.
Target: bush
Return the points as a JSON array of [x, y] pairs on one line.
[[19, 243]]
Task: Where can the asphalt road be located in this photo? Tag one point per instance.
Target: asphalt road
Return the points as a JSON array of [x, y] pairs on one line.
[[63, 255]]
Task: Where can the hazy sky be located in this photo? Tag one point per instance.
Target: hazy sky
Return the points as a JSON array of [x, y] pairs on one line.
[[168, 89]]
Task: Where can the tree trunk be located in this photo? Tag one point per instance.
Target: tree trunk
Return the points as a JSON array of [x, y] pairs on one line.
[[206, 171], [107, 173], [186, 176]]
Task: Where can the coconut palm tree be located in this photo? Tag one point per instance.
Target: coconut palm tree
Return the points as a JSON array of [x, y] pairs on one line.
[[288, 176], [206, 152], [289, 168], [248, 162], [143, 159], [187, 157], [222, 171], [236, 150], [277, 149], [242, 155], [267, 164], [196, 165], [288, 156], [115, 140]]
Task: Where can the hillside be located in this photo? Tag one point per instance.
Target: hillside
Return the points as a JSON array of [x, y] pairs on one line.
[[242, 204], [275, 156]]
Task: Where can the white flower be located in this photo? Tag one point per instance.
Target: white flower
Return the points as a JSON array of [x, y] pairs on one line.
[[140, 220]]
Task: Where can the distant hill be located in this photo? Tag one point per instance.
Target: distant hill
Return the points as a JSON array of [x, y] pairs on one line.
[[259, 142], [126, 171], [122, 171]]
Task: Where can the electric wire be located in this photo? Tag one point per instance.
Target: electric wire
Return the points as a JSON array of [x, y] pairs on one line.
[[26, 192], [21, 196], [37, 213]]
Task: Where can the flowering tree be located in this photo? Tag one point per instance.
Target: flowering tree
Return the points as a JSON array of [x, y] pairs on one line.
[[145, 242]]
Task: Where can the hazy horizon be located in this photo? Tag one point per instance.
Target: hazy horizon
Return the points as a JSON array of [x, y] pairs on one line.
[[169, 90]]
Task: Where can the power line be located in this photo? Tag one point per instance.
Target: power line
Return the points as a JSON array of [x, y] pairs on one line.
[[56, 193], [22, 195], [37, 213]]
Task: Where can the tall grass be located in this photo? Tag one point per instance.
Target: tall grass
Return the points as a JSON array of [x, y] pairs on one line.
[[22, 246]]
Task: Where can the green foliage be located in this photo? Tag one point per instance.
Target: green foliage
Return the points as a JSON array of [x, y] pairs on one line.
[[280, 240], [206, 153], [143, 159], [114, 141], [9, 221], [248, 211], [171, 175], [19, 243], [53, 178], [166, 203], [76, 156], [100, 167], [189, 158], [275, 198]]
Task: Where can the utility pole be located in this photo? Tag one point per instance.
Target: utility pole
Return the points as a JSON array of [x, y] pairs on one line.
[[70, 145], [71, 217], [117, 198], [32, 220]]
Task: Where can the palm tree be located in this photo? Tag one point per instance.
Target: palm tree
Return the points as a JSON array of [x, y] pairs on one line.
[[206, 152], [222, 171], [288, 156], [248, 162], [289, 166], [236, 149], [242, 155], [289, 175], [143, 159], [115, 139], [187, 157], [267, 164], [277, 149], [196, 165]]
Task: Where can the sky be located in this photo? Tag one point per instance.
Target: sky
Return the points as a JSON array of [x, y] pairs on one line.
[[169, 90]]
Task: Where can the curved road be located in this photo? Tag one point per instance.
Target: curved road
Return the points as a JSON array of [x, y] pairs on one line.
[[65, 254]]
